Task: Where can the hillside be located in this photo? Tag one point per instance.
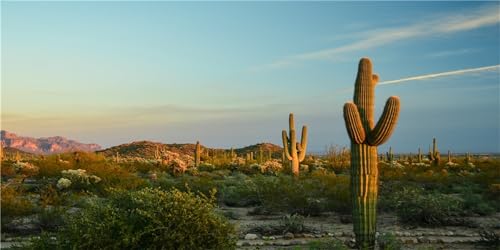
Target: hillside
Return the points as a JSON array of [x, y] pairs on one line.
[[146, 149]]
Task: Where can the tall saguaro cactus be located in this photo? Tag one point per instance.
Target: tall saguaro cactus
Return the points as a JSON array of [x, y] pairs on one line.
[[365, 137], [295, 152]]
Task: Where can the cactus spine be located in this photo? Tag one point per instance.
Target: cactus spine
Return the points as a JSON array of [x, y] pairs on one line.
[[197, 154], [295, 152], [365, 137]]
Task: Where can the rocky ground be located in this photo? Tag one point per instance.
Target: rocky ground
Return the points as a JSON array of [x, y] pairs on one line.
[[255, 231], [328, 227]]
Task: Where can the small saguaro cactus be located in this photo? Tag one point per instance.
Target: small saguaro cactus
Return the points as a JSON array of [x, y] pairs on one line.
[[157, 153], [390, 155], [436, 156], [365, 137], [261, 155], [295, 152], [197, 154], [419, 156]]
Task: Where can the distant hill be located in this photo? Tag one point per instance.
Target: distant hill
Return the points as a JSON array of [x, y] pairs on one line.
[[275, 149], [45, 145], [146, 149]]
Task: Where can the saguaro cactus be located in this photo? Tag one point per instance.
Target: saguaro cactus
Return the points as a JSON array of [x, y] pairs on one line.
[[365, 137], [390, 155], [197, 154], [419, 155], [436, 156], [294, 151]]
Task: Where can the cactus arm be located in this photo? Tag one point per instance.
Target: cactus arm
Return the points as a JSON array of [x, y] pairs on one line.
[[299, 148], [353, 123], [386, 124], [285, 145], [302, 146]]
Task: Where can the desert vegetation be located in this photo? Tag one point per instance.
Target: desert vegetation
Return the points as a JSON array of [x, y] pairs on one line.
[[147, 195]]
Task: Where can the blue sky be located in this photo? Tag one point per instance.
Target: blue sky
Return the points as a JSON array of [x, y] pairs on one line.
[[228, 73]]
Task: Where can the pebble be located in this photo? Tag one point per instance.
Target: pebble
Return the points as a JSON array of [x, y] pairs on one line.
[[251, 237]]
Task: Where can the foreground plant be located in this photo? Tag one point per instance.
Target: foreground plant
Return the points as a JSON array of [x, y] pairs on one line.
[[145, 219], [365, 137]]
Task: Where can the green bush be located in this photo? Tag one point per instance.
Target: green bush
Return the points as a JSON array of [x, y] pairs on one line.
[[414, 206], [474, 203], [292, 223], [147, 219], [239, 191], [388, 241]]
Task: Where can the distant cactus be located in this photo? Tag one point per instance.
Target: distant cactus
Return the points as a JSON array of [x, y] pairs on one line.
[[365, 137], [157, 153], [18, 157], [467, 158], [117, 157], [233, 155], [435, 156], [261, 155], [390, 155], [419, 156], [197, 154], [294, 151], [449, 156]]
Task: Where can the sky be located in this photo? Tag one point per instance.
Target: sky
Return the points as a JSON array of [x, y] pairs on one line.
[[229, 73]]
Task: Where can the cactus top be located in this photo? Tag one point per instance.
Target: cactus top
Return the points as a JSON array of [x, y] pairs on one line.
[[359, 116]]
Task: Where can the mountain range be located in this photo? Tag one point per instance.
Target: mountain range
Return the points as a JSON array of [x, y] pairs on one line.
[[44, 145]]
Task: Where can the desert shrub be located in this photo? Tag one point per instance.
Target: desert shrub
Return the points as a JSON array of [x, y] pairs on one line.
[[287, 194], [308, 195], [414, 206], [14, 203], [8, 170], [207, 167], [475, 203], [114, 177], [147, 219], [77, 179], [203, 183], [292, 223], [52, 166], [50, 218], [49, 196], [239, 191], [388, 241]]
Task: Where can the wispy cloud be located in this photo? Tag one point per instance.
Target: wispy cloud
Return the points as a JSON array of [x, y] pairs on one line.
[[443, 74], [453, 23], [448, 53]]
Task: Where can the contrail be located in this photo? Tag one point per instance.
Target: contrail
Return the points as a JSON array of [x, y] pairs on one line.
[[448, 73]]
